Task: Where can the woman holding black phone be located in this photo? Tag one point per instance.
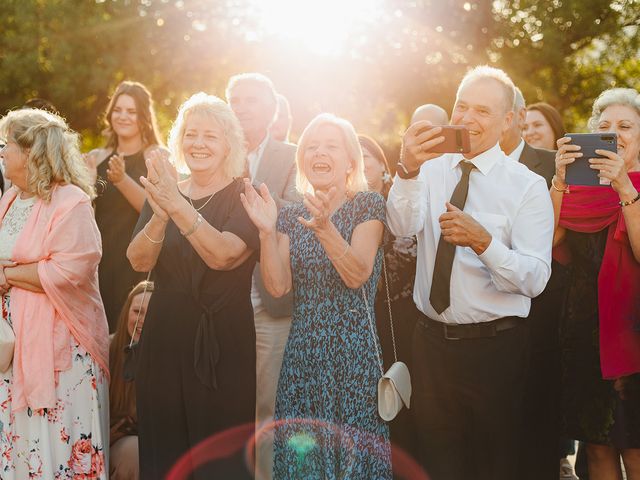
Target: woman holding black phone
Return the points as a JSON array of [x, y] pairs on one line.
[[600, 333]]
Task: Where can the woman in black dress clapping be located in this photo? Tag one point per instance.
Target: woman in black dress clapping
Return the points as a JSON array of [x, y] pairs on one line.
[[196, 363]]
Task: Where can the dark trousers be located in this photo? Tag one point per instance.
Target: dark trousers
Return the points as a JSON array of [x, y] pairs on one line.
[[539, 455], [467, 403]]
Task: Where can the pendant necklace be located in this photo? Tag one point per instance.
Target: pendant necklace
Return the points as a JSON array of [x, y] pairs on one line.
[[201, 206]]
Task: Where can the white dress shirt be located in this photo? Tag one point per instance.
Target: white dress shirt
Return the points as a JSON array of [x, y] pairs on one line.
[[515, 155], [511, 203], [255, 157]]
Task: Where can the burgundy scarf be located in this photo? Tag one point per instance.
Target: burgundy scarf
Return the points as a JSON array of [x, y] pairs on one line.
[[588, 210]]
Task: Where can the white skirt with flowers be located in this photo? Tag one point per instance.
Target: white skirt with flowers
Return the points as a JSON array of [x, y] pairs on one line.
[[70, 441]]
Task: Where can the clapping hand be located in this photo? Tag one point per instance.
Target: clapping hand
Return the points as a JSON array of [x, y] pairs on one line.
[[91, 159], [319, 206], [161, 184], [116, 169], [261, 208]]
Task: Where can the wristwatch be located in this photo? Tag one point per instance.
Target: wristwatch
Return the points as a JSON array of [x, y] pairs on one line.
[[404, 173]]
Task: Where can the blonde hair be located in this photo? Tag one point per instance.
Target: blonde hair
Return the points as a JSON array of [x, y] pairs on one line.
[[54, 154], [356, 180], [219, 111], [628, 97], [485, 71]]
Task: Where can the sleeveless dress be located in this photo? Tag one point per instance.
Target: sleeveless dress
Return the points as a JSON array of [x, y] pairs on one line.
[[70, 440], [116, 219], [327, 425]]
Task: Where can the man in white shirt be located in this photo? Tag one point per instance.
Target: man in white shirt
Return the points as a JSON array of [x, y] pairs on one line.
[[489, 255], [252, 97]]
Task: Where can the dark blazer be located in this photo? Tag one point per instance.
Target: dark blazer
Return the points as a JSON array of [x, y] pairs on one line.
[[540, 161], [277, 170]]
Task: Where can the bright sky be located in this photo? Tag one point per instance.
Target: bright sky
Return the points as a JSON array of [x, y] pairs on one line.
[[322, 26]]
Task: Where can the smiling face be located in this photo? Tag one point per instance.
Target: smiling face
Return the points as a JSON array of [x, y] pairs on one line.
[[138, 307], [481, 107], [14, 160], [124, 117], [254, 107], [373, 170], [538, 132], [326, 162], [204, 144], [624, 121]]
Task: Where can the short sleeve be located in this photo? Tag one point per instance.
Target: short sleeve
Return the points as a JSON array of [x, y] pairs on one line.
[[239, 223], [370, 206], [285, 217], [145, 215]]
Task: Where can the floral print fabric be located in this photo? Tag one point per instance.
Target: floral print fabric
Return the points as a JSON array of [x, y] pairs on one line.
[[67, 442], [327, 424]]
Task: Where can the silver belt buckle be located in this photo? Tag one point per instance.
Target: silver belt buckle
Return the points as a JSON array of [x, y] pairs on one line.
[[446, 333]]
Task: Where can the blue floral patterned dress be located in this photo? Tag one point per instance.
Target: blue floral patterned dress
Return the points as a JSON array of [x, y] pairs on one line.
[[327, 425]]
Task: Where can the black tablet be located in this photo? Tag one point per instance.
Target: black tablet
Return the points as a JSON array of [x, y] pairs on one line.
[[580, 171]]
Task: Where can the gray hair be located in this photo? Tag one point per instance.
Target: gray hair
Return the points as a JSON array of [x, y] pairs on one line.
[[629, 97], [259, 79], [356, 180], [219, 111], [500, 76], [519, 102]]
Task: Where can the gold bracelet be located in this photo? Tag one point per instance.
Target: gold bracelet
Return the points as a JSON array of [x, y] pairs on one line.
[[144, 231], [341, 256], [561, 190], [194, 227]]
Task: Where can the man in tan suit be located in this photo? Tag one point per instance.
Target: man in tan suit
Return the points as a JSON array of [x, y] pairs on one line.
[[252, 97]]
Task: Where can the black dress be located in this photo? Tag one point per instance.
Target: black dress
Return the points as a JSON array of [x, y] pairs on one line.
[[116, 219], [197, 359], [593, 411]]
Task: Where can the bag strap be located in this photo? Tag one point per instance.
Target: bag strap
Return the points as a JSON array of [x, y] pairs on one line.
[[372, 329], [386, 288], [144, 294]]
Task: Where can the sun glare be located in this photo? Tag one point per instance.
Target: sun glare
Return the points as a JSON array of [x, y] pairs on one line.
[[322, 27]]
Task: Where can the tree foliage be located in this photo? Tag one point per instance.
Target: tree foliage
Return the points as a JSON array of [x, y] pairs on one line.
[[74, 53]]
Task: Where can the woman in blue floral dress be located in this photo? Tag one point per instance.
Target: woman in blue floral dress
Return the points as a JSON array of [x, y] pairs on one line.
[[327, 249]]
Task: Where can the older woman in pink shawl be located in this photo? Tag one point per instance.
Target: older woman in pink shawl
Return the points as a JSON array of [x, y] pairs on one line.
[[54, 395]]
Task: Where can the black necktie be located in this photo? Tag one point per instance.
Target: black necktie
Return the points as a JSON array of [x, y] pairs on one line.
[[440, 296]]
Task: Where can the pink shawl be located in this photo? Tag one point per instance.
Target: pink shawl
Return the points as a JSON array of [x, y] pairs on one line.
[[62, 237]]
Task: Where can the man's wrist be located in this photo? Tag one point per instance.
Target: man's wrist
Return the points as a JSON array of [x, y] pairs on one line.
[[404, 172], [481, 245]]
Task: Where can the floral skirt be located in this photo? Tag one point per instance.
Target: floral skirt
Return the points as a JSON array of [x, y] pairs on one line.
[[69, 441]]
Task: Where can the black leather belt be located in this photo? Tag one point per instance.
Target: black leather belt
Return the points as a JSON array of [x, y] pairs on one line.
[[456, 331]]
